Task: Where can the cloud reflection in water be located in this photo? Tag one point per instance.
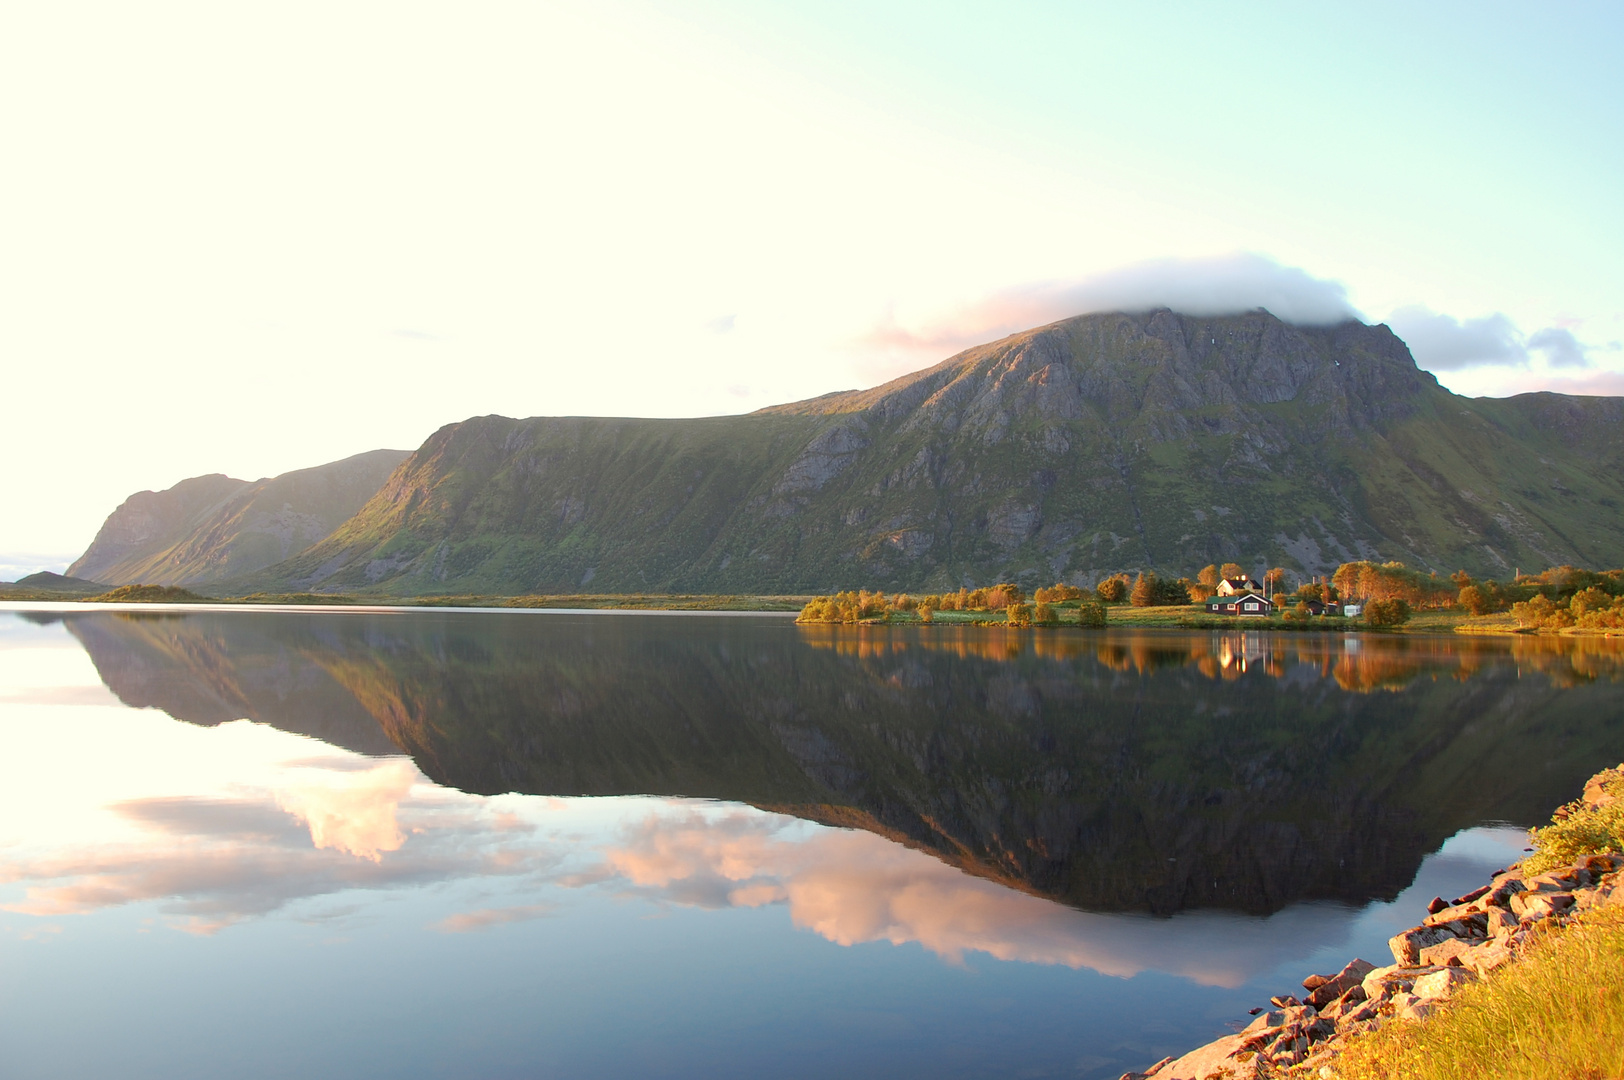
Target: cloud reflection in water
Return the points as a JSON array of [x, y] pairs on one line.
[[294, 820]]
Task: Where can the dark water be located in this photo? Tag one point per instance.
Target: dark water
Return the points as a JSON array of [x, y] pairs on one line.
[[532, 844]]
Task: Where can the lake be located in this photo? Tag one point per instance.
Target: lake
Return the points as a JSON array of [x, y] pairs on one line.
[[428, 843]]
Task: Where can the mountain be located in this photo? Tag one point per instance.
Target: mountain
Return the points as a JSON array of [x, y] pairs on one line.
[[1096, 444], [213, 527]]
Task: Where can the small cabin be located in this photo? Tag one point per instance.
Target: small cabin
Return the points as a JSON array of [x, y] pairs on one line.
[[1244, 604], [1236, 586]]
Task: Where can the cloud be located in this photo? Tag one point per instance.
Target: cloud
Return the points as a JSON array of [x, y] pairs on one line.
[[1221, 285], [485, 918], [852, 887], [1443, 343], [1560, 347]]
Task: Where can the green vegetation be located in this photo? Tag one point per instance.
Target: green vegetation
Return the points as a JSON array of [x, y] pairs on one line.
[[1579, 829], [149, 594], [1092, 452], [1557, 1014]]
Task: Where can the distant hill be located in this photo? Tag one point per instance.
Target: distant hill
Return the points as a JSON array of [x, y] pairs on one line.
[[209, 528], [1095, 444], [46, 585]]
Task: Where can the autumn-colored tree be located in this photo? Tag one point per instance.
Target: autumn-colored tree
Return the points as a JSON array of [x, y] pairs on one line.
[[1385, 613], [1461, 579], [1018, 614], [926, 613], [1208, 576], [1275, 578], [1145, 593], [1114, 589], [1230, 571], [1044, 615]]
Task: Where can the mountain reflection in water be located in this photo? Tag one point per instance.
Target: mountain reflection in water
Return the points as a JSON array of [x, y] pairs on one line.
[[1150, 772]]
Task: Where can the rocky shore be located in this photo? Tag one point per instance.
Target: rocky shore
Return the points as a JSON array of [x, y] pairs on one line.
[[1459, 942]]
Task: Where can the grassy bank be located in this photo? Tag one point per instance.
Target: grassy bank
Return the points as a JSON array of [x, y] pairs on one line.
[[1557, 1014]]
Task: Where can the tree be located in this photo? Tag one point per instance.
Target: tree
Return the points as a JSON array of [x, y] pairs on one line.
[[1113, 590], [1384, 613], [1275, 578], [1018, 614], [926, 613], [1091, 613], [1461, 579], [1230, 571], [1145, 590], [1208, 576]]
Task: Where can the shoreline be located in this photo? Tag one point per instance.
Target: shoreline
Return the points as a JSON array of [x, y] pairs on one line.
[[1459, 943], [1117, 616]]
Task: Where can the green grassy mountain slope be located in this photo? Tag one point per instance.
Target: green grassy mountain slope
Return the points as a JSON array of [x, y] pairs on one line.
[[213, 527], [1096, 444]]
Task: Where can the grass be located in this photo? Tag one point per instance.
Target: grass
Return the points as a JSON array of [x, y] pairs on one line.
[[1557, 1014]]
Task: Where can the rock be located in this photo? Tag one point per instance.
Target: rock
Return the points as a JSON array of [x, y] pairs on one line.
[[1500, 923], [1213, 1059], [1441, 954], [1415, 1010], [1284, 1002], [1331, 987], [1486, 958], [1265, 1022], [1475, 894], [1384, 982], [1436, 905], [1440, 984], [1407, 946], [1541, 905]]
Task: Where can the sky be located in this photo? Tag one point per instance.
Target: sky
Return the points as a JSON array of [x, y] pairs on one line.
[[251, 239]]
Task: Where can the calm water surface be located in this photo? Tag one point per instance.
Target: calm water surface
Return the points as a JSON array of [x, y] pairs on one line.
[[431, 844]]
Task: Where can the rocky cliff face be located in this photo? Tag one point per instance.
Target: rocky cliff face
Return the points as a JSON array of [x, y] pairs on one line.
[[210, 528], [1097, 444]]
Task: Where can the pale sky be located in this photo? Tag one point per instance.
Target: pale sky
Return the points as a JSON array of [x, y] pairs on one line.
[[251, 239]]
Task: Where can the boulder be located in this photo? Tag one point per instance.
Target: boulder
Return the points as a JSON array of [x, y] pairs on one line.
[[1530, 906], [1228, 1053], [1407, 946], [1440, 954], [1441, 984], [1327, 988], [1486, 958], [1385, 982]]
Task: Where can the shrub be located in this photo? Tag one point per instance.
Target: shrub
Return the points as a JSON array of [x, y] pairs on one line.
[[926, 613], [1298, 613], [1091, 613], [1044, 615], [1018, 614], [1386, 613], [1577, 830]]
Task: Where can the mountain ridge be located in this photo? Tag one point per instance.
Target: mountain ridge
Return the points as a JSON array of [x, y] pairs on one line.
[[1091, 445], [209, 528], [1094, 444]]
